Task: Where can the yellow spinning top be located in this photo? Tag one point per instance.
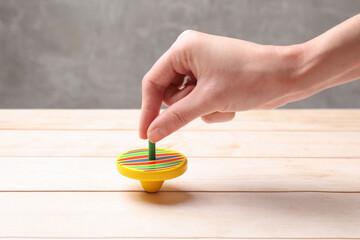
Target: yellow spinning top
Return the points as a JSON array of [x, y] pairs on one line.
[[152, 166]]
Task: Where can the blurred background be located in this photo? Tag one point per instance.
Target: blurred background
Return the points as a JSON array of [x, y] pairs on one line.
[[94, 53]]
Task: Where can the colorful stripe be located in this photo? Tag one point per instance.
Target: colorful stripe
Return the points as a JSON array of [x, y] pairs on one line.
[[139, 160]]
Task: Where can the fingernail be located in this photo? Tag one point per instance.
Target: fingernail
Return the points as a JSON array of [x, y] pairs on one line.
[[157, 134]]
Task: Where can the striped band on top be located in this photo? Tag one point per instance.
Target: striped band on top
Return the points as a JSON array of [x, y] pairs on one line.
[[139, 160]]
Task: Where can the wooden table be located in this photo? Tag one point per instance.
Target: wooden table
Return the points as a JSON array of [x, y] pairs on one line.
[[266, 175]]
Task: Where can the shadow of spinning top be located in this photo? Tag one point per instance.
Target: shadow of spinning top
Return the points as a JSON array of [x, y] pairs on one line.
[[150, 168]]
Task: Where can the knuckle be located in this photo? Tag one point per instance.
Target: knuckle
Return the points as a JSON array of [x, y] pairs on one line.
[[218, 117], [186, 38], [182, 48], [215, 97], [178, 119], [145, 80], [186, 34], [149, 83], [207, 119], [232, 116]]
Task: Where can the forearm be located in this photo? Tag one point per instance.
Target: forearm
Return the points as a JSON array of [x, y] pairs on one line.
[[331, 59]]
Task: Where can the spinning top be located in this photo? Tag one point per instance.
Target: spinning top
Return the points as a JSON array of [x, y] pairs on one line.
[[152, 166]]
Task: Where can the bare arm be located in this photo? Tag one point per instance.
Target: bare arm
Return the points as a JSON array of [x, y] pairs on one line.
[[230, 75], [330, 59]]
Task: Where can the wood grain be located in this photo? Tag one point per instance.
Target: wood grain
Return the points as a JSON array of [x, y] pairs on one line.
[[261, 120], [285, 174], [191, 144], [203, 174], [180, 214]]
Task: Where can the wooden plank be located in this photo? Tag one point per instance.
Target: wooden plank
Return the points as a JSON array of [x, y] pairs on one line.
[[192, 144], [211, 238], [279, 120], [203, 174], [180, 214]]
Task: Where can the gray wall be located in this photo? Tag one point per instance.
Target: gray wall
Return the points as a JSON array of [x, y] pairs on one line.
[[94, 53]]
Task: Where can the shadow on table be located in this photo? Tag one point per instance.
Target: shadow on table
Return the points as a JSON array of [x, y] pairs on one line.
[[164, 197]]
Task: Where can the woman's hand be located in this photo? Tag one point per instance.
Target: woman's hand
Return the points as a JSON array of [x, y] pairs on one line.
[[226, 75], [229, 75]]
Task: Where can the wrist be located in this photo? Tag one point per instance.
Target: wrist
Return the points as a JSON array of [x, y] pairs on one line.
[[323, 62], [293, 75], [302, 63]]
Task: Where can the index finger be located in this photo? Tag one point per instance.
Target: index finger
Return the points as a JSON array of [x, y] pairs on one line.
[[159, 77]]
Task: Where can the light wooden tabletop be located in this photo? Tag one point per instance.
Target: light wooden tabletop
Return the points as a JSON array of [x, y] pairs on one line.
[[281, 174]]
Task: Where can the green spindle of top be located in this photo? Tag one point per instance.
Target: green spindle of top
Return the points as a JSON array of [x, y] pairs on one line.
[[152, 150]]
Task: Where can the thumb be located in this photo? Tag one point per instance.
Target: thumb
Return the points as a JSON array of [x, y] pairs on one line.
[[176, 116]]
